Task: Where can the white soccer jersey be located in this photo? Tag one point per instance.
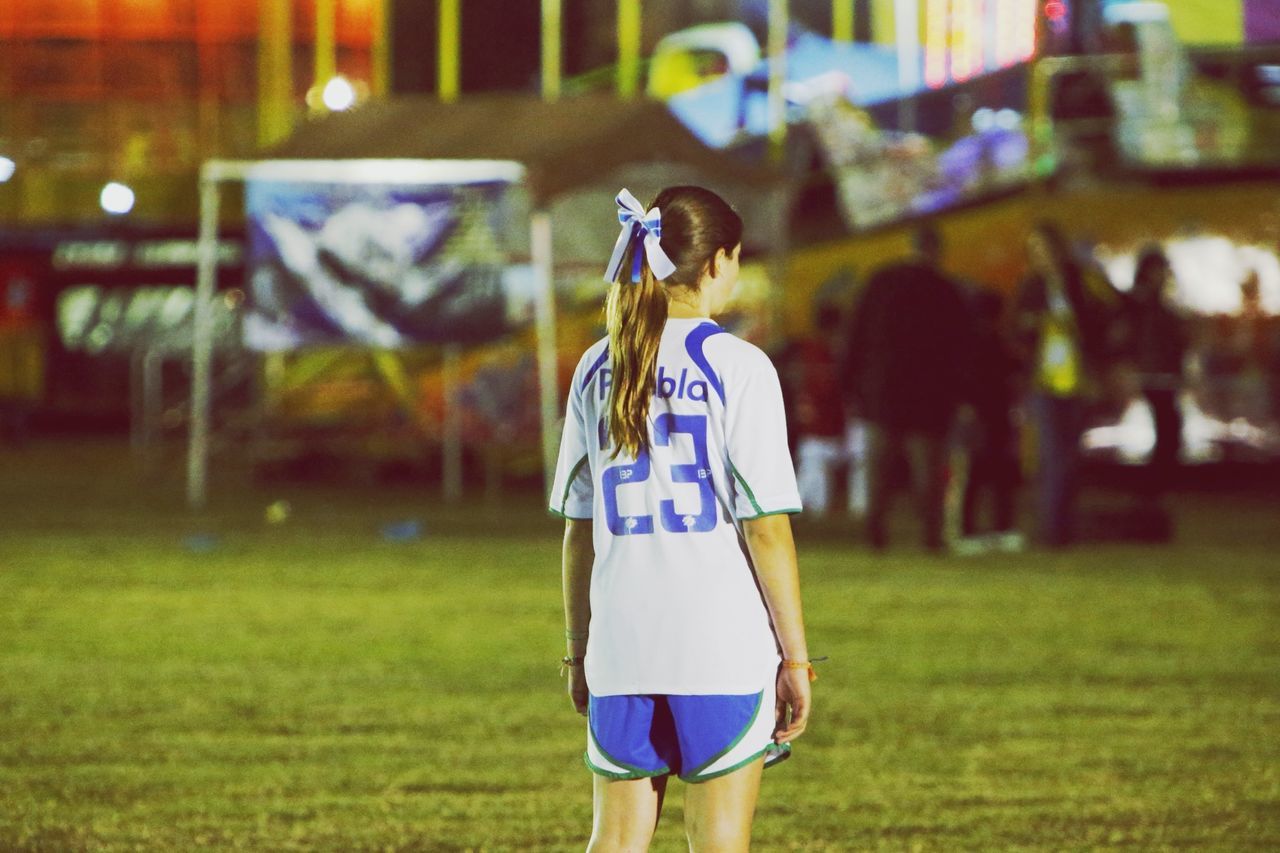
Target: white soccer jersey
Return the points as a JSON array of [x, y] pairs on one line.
[[674, 603]]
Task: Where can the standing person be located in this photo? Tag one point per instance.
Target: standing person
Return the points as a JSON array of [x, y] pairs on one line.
[[686, 651], [905, 371], [812, 392], [1062, 335], [1158, 341], [1253, 343], [993, 461]]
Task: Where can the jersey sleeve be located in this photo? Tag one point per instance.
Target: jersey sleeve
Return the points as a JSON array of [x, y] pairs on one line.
[[572, 492], [764, 480]]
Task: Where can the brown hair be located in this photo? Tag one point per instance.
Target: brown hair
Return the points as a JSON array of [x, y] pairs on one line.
[[696, 223], [1148, 276]]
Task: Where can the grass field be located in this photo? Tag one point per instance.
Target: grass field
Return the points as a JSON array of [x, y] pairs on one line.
[[312, 685]]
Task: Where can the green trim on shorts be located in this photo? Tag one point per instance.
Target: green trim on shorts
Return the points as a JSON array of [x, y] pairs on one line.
[[619, 777], [695, 780], [755, 715], [783, 750], [635, 772]]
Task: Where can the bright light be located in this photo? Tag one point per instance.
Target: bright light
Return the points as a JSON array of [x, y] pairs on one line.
[[7, 168], [116, 198], [339, 94], [1208, 270], [1026, 30], [978, 36], [1008, 24], [1003, 40], [936, 28], [967, 30], [1007, 119]]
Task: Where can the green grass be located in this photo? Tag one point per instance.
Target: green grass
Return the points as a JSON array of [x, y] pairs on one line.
[[313, 686]]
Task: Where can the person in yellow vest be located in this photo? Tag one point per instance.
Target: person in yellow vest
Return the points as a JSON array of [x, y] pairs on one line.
[[1062, 329]]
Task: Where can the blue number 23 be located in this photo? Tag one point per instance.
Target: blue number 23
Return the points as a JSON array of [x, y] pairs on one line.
[[699, 472]]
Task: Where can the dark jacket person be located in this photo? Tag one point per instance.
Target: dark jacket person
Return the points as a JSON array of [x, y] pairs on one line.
[[905, 374]]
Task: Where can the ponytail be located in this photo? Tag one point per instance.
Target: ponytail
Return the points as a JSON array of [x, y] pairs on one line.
[[635, 315], [680, 234]]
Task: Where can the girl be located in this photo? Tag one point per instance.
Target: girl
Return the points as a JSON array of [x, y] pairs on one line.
[[686, 654]]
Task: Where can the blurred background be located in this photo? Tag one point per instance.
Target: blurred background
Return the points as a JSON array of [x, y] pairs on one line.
[[389, 325], [291, 292]]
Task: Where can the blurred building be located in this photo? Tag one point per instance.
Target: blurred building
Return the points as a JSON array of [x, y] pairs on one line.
[[141, 91], [1225, 22], [107, 110]]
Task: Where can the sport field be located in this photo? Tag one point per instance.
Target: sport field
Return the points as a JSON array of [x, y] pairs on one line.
[[315, 685]]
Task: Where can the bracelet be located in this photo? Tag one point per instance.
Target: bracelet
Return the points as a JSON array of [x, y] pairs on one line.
[[567, 663], [574, 635], [801, 664]]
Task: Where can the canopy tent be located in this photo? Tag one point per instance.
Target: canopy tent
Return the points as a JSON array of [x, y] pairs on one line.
[[553, 149], [562, 145]]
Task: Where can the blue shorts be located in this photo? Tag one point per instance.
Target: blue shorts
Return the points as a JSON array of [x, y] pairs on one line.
[[695, 737]]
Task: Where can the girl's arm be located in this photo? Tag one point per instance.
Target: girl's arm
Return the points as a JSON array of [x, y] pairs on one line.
[[577, 556], [773, 552]]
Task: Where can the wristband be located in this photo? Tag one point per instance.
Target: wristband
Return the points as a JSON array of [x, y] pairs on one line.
[[567, 663], [801, 664]]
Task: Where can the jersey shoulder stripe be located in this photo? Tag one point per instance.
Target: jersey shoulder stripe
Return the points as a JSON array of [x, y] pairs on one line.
[[694, 344], [595, 366], [730, 360]]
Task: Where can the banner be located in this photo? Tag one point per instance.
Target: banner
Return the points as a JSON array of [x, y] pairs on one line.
[[884, 176], [380, 265]]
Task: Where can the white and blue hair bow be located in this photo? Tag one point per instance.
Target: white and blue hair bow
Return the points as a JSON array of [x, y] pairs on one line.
[[636, 222]]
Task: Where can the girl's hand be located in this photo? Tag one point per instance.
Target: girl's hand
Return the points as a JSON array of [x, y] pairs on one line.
[[578, 689], [792, 706]]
